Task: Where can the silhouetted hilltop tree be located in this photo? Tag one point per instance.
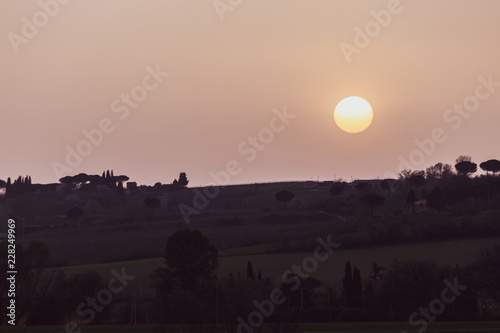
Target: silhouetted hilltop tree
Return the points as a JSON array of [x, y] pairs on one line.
[[405, 174], [83, 179], [447, 171], [284, 196], [183, 181], [434, 172], [8, 186], [491, 166], [20, 186], [465, 166], [3, 183], [77, 180], [120, 179]]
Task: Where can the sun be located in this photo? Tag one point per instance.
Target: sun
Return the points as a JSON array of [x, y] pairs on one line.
[[353, 114]]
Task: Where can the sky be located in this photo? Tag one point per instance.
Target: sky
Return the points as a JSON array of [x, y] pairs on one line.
[[235, 92]]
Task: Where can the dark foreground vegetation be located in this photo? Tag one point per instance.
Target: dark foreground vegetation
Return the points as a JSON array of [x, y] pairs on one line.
[[91, 219]]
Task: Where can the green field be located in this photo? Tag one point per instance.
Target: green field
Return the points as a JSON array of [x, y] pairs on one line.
[[458, 252]]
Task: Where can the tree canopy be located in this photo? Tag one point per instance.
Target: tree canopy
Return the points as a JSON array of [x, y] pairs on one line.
[[284, 196], [190, 262], [491, 166]]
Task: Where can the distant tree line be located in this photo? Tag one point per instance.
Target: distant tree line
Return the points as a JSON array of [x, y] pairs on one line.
[[107, 178], [20, 186], [443, 186]]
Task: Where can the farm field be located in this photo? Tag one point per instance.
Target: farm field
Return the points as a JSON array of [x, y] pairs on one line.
[[458, 252]]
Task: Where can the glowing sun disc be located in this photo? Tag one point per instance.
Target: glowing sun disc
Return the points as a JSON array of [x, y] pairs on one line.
[[353, 114]]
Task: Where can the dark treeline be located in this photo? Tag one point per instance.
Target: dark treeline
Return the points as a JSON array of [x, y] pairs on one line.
[[187, 290]]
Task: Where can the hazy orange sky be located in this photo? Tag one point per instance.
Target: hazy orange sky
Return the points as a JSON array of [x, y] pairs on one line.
[[227, 76]]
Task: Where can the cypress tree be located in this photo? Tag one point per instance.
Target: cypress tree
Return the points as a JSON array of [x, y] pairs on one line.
[[250, 271], [347, 284]]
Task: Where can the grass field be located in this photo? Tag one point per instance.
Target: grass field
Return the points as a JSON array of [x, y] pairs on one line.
[[449, 327], [458, 252]]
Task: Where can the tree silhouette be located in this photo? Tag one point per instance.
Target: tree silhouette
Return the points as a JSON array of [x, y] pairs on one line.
[[465, 166], [491, 166], [376, 272], [250, 271], [417, 179], [191, 261], [447, 171], [284, 196], [347, 284], [434, 172], [8, 187], [463, 158], [183, 181], [357, 289], [488, 266]]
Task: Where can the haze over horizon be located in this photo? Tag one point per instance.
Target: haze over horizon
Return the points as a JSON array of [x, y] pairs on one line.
[[213, 94]]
